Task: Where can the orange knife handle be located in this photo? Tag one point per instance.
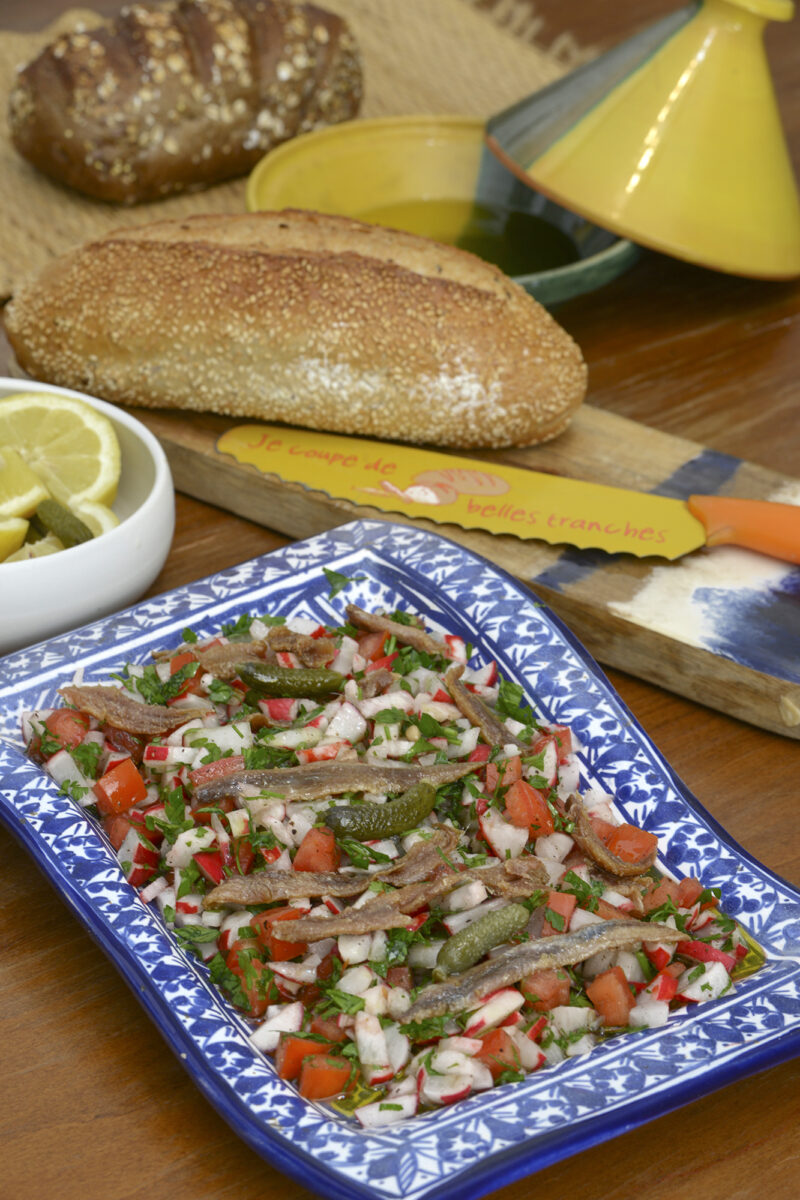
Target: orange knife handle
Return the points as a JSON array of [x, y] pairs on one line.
[[757, 524]]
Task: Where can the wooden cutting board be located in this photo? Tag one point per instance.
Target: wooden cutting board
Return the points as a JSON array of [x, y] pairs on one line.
[[720, 626]]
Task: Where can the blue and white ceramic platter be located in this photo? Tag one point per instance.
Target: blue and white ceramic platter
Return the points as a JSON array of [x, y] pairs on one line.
[[491, 1138]]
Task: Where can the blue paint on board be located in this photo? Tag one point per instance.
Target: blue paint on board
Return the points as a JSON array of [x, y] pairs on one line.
[[706, 474], [759, 629]]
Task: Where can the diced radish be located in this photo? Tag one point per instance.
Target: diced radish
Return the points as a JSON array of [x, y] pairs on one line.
[[568, 1018], [343, 662], [279, 708], [387, 1112], [236, 737], [445, 1089], [631, 967], [662, 988], [283, 1018], [464, 1045], [63, 768], [703, 952], [347, 725], [291, 739], [649, 1014], [166, 758], [302, 972], [356, 981], [584, 1045], [354, 947], [376, 1000], [373, 1053], [496, 1008], [424, 954], [239, 822], [582, 917], [371, 707], [706, 981], [505, 839], [399, 1047], [554, 846], [465, 897], [485, 676], [530, 1056], [569, 778], [456, 648], [188, 843], [454, 922], [398, 1002]]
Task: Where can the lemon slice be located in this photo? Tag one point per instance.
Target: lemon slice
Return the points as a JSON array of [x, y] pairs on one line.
[[12, 535], [70, 445], [97, 516], [21, 489], [45, 545]]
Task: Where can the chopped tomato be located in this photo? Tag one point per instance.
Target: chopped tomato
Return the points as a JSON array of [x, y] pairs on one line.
[[279, 950], [226, 804], [216, 770], [318, 851], [120, 788], [386, 662], [371, 645], [68, 726], [400, 977], [192, 684], [666, 890], [689, 892], [498, 1052], [323, 1076], [116, 828], [480, 753], [527, 807], [611, 996], [512, 771], [631, 844], [292, 1049], [242, 855], [329, 1028], [127, 743], [603, 829], [258, 985], [546, 989], [558, 912], [562, 735]]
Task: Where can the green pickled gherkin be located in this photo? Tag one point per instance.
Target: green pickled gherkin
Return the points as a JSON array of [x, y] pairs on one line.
[[52, 517], [366, 822], [313, 683], [469, 945]]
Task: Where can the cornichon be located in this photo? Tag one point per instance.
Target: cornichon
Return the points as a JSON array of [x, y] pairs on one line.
[[368, 821], [52, 517], [469, 945], [312, 682]]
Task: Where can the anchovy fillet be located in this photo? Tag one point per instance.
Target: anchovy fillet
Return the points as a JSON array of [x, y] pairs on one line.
[[368, 919], [591, 845], [117, 707], [478, 713], [463, 992], [313, 781], [407, 635]]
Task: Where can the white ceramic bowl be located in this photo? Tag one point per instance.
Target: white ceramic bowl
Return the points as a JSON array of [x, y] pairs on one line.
[[48, 595]]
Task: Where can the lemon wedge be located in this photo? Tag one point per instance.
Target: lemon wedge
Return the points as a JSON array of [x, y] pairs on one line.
[[46, 545], [99, 517], [12, 535], [70, 445], [21, 489]]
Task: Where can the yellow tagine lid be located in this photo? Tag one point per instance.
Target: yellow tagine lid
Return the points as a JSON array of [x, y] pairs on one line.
[[672, 139]]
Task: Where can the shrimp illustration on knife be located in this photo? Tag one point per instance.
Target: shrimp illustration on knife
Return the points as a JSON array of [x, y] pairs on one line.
[[444, 486]]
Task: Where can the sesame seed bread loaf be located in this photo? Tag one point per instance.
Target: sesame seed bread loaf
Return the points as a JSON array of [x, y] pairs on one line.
[[313, 320], [181, 95]]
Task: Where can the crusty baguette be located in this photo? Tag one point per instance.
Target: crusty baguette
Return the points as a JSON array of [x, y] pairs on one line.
[[181, 95], [303, 318]]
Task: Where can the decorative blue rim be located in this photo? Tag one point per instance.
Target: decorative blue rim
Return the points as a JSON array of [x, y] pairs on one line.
[[492, 1138]]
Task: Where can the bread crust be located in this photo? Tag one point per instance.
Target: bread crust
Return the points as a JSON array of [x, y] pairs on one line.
[[308, 319], [181, 95]]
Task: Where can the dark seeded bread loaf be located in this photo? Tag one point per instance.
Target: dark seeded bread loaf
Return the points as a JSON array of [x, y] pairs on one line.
[[308, 319], [181, 95]]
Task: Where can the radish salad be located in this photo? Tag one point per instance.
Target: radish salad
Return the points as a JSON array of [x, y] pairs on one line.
[[383, 856]]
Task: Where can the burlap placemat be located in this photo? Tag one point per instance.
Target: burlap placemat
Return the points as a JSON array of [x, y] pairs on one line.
[[430, 56]]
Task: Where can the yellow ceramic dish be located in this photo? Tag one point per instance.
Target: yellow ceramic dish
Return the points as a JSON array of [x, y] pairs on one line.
[[673, 139], [433, 176]]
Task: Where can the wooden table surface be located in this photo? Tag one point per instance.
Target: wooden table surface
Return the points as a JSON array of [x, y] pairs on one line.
[[97, 1109]]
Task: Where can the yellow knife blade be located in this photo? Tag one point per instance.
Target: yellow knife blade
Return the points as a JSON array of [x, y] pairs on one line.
[[502, 499]]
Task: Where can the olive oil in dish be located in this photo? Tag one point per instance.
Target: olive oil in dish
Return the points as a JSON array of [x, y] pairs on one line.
[[519, 243]]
